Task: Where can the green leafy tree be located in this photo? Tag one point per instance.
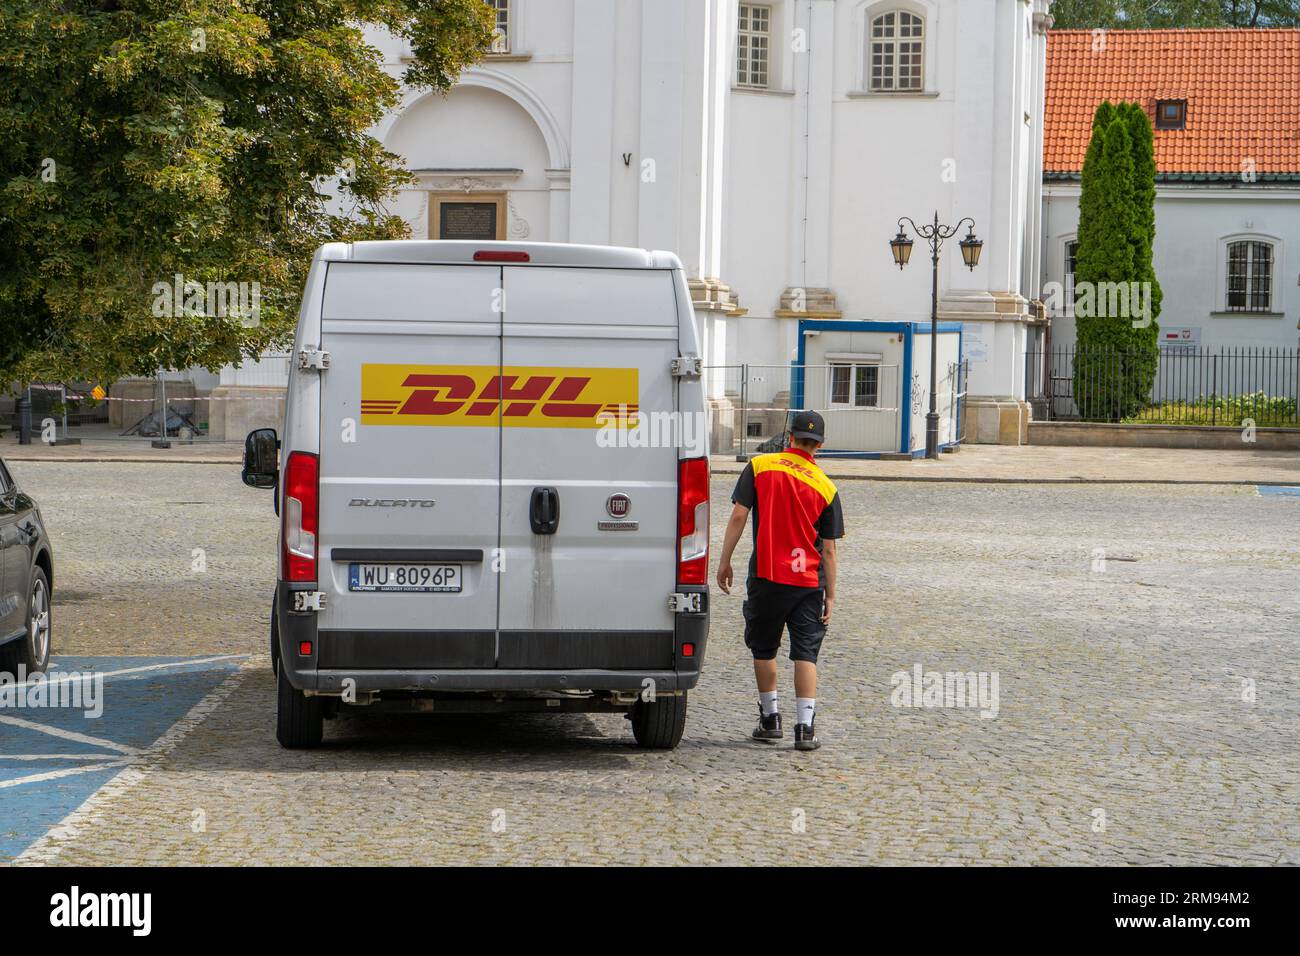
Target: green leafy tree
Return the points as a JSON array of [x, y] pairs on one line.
[[1260, 13], [1135, 14], [1165, 14], [1117, 351], [145, 139]]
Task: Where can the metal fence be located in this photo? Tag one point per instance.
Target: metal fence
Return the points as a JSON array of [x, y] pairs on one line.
[[750, 405], [953, 386], [173, 407], [1186, 386]]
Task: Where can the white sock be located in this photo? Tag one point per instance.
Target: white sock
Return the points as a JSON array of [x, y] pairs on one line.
[[767, 700], [806, 707]]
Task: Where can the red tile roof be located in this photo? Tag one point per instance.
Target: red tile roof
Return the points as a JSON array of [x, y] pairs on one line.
[[1242, 89]]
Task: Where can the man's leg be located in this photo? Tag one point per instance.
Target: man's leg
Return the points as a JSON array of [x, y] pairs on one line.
[[763, 638], [805, 678], [806, 633], [805, 693]]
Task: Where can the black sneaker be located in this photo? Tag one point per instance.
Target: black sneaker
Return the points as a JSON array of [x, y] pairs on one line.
[[805, 738], [768, 728]]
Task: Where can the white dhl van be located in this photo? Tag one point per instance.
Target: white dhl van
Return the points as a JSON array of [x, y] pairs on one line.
[[493, 486]]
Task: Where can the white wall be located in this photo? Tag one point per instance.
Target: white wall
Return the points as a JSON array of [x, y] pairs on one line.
[[1191, 223], [874, 158], [799, 186]]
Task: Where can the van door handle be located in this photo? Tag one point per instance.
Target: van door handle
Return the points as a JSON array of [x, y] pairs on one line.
[[544, 510]]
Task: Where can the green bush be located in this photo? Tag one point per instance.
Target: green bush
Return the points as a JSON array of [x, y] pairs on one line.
[[1266, 411]]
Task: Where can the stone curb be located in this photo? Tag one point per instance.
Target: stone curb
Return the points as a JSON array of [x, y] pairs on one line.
[[120, 459], [728, 470], [994, 480]]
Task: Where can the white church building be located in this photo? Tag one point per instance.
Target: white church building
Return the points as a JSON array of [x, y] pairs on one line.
[[773, 146]]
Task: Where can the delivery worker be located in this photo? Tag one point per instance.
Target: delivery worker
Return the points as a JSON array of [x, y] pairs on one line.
[[791, 583]]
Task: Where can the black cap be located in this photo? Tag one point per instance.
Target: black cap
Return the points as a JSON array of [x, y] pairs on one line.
[[808, 425]]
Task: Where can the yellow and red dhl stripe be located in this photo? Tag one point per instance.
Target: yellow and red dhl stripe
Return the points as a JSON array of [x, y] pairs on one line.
[[798, 468], [520, 396]]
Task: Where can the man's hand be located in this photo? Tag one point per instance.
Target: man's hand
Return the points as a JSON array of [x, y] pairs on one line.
[[725, 576], [826, 609], [735, 528]]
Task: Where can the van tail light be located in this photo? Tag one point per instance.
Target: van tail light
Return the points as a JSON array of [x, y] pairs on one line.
[[500, 255], [693, 521], [301, 509]]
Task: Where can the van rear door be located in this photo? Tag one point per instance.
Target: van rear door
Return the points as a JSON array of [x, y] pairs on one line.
[[578, 343], [409, 482]]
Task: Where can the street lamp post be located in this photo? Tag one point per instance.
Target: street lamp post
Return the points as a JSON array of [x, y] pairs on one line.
[[901, 247]]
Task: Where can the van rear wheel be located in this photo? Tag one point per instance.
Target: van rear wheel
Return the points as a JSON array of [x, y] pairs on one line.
[[299, 719], [658, 724]]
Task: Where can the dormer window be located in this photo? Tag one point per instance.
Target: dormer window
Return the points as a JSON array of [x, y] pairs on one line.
[[1171, 114]]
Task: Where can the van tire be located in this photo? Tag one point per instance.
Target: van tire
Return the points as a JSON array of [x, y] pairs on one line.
[[299, 719], [658, 724]]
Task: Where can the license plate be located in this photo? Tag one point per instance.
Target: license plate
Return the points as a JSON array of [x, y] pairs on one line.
[[404, 577]]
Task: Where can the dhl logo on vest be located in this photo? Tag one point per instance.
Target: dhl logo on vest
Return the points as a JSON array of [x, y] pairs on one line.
[[520, 396]]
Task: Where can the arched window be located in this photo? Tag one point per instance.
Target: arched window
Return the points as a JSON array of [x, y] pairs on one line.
[[897, 52], [1249, 276]]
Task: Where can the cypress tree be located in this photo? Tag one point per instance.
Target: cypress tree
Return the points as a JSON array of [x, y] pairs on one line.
[[1115, 363], [1145, 340]]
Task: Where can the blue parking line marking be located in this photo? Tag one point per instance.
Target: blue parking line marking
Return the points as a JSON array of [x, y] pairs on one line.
[[1284, 491], [142, 697]]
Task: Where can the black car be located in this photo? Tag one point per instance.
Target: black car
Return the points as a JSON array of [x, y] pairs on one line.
[[26, 574]]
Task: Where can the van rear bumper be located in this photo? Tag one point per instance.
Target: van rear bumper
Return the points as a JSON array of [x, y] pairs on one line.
[[463, 660], [331, 681]]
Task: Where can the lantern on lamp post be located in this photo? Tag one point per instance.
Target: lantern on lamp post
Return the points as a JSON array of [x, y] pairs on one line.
[[901, 247]]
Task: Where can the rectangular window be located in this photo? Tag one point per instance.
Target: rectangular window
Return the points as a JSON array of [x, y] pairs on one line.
[[855, 385], [753, 44], [866, 386], [1250, 277], [841, 381], [501, 33]]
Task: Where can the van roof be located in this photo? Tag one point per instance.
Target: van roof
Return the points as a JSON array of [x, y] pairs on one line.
[[539, 253]]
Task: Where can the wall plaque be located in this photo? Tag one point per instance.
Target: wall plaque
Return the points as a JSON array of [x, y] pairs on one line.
[[467, 220]]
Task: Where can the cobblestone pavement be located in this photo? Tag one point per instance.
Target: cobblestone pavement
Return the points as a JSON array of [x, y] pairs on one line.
[[1123, 623]]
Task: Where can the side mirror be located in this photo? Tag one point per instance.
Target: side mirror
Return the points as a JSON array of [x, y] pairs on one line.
[[261, 458]]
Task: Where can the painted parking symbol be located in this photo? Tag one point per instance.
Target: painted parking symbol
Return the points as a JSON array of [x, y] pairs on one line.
[[93, 718]]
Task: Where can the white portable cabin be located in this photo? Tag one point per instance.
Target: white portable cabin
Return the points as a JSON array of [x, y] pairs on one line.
[[871, 382]]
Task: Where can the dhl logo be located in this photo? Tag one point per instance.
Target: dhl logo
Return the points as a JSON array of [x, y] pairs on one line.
[[517, 396]]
